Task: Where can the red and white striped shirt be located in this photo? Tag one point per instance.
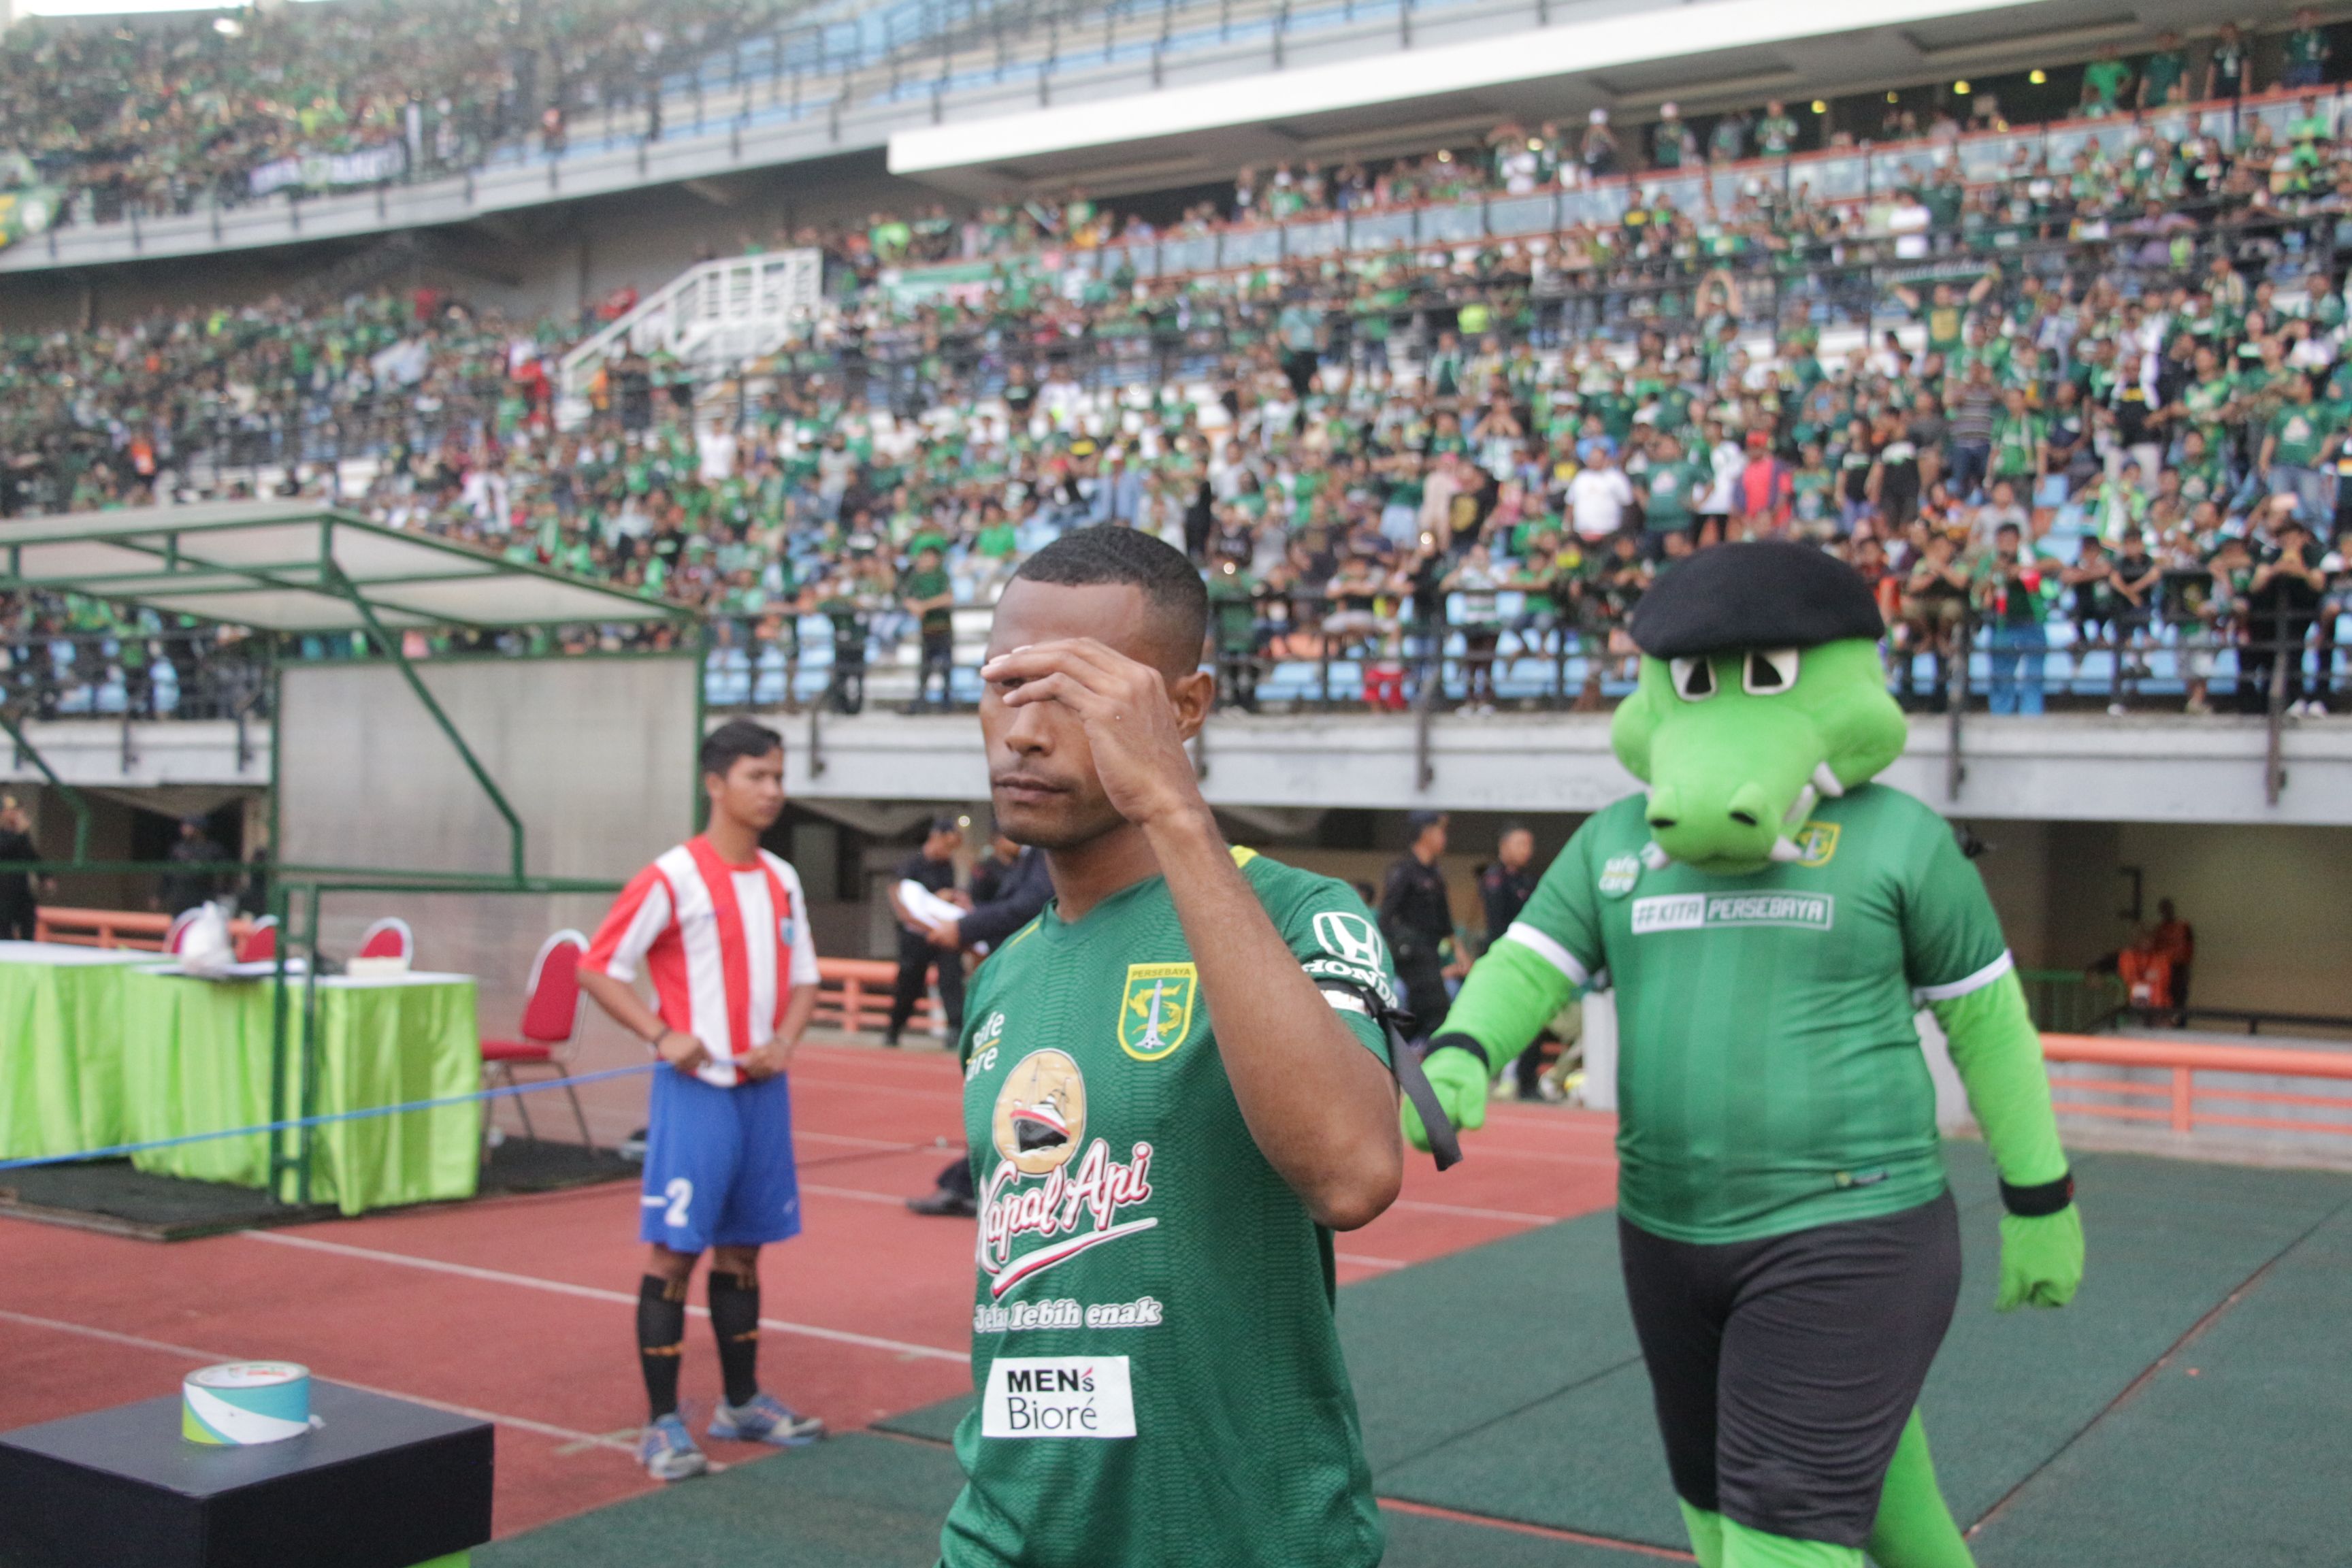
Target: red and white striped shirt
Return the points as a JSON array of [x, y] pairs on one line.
[[724, 945]]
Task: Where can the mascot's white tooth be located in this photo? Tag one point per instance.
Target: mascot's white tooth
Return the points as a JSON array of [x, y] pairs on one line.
[[1787, 849], [1801, 808], [1654, 856], [1827, 782]]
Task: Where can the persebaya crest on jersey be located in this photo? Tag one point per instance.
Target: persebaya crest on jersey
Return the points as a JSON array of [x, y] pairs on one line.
[[1818, 840], [1050, 1184], [1155, 1015]]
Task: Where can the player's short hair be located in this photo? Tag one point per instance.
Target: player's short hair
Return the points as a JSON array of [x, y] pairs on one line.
[[1110, 553], [735, 740]]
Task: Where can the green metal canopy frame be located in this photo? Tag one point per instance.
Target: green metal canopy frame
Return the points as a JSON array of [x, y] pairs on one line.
[[296, 566]]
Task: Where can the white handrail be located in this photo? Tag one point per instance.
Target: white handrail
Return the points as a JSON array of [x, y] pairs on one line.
[[715, 312]]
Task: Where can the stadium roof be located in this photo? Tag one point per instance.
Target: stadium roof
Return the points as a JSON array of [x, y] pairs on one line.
[[1618, 54], [296, 566]]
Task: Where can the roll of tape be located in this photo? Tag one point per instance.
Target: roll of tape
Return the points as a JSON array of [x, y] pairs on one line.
[[241, 1402]]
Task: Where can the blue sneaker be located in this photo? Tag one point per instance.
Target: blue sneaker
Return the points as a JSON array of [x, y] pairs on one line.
[[666, 1450], [766, 1419]]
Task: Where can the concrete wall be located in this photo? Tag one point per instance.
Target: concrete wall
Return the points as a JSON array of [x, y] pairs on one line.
[[595, 754], [2062, 767], [546, 261], [2269, 906]]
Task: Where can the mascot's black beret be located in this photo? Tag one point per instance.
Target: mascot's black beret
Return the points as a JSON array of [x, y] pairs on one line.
[[1758, 593]]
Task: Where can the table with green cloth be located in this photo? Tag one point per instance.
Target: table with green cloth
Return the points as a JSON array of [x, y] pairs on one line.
[[61, 1046], [197, 1057]]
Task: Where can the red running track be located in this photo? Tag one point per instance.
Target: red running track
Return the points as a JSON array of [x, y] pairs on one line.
[[522, 1310]]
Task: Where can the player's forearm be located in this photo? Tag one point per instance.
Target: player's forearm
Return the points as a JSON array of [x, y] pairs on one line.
[[1998, 1053], [1321, 1108], [620, 1003], [797, 1013]]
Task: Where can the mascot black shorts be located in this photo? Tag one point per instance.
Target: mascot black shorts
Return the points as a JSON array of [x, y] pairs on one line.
[[1784, 1368]]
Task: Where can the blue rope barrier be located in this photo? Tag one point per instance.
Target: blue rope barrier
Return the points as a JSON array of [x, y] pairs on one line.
[[321, 1121]]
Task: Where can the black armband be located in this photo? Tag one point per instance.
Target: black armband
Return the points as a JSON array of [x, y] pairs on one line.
[[2034, 1202], [1460, 1042]]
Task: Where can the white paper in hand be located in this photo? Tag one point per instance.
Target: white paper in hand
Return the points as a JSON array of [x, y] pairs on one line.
[[925, 906]]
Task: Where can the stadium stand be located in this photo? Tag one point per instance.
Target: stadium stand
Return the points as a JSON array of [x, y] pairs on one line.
[[1380, 402]]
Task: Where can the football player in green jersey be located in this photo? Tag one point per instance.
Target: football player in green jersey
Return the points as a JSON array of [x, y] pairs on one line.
[[1176, 1089], [1770, 920]]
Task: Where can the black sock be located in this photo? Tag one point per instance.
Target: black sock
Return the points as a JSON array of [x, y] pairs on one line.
[[661, 1340], [735, 1319]]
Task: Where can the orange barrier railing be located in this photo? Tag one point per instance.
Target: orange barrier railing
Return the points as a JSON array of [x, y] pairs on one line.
[[2181, 1099], [136, 929], [856, 994]]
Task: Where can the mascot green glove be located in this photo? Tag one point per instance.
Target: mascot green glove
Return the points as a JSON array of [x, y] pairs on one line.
[[1770, 921]]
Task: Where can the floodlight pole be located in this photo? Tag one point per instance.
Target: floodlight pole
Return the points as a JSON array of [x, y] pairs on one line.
[[73, 797], [391, 647]]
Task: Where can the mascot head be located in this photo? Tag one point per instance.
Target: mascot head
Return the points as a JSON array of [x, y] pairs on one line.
[[1760, 693]]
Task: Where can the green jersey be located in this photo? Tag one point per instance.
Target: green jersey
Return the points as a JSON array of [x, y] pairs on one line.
[[1670, 496], [1152, 1334], [2015, 439], [2300, 430], [1769, 1077]]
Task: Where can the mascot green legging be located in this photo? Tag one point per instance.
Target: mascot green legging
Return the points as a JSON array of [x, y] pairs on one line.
[[1769, 922]]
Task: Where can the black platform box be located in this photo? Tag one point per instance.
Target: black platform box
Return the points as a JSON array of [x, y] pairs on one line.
[[383, 1483]]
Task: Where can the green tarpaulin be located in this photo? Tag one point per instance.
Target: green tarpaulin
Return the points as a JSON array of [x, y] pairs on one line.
[[196, 1057], [60, 1048]]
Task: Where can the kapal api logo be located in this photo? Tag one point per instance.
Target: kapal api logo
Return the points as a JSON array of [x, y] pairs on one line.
[[1043, 1187]]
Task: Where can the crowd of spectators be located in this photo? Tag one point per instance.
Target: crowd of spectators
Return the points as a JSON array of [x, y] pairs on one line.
[[161, 117], [2028, 414]]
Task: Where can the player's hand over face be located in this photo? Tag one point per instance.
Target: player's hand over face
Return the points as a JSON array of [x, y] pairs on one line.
[[1130, 724]]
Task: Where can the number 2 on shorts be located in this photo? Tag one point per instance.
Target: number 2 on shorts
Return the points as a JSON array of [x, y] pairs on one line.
[[680, 1193]]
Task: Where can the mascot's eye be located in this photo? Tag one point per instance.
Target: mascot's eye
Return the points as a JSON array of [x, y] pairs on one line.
[[1771, 672], [1693, 678]]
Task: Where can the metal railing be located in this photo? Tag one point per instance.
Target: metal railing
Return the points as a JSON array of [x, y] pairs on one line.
[[2179, 1095], [206, 673]]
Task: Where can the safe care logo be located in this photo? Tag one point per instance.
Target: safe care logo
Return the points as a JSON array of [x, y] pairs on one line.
[[1041, 1185]]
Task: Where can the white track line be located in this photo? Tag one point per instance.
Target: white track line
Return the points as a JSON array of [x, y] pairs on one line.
[[590, 1293], [577, 1440], [1511, 1215], [898, 1145], [895, 1200], [1360, 1261], [940, 1092]]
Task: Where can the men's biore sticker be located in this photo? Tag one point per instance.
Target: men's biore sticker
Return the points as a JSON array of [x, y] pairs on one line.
[[1058, 1396]]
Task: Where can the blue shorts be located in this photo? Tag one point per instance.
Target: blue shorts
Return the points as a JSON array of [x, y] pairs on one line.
[[718, 1165]]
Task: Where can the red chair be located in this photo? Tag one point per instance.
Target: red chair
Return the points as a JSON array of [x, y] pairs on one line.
[[260, 943], [551, 1024], [388, 938], [177, 932]]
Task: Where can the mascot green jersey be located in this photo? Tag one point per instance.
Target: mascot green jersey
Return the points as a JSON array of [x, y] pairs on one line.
[[1770, 921]]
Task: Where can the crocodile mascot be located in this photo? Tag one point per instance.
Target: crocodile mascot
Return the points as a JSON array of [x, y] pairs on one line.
[[1770, 921]]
